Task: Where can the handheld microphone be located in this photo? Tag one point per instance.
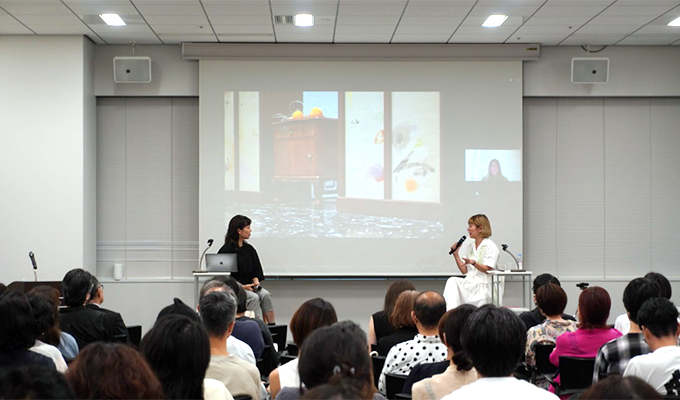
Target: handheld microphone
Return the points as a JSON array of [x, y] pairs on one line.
[[462, 239]]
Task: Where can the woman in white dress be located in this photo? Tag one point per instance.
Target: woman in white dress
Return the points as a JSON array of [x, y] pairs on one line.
[[475, 257]]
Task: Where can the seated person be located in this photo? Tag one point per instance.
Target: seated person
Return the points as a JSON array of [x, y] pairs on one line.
[[534, 317], [114, 319], [494, 339], [401, 319], [425, 347], [617, 387], [44, 320], [33, 382], [613, 356], [551, 300], [460, 371], [66, 343], [658, 318], [379, 324], [622, 324], [218, 312]]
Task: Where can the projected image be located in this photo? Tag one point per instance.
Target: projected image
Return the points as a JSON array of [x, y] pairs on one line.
[[485, 165]]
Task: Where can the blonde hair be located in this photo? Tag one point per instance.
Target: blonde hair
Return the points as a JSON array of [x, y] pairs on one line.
[[481, 222]]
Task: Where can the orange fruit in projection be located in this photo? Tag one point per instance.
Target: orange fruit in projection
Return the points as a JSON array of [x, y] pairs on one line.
[[316, 113], [411, 185], [297, 114]]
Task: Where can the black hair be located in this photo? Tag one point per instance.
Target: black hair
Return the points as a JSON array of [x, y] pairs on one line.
[[18, 327], [236, 223], [34, 382], [42, 313], [494, 338], [2, 288], [75, 286], [336, 391], [179, 308], [210, 285], [551, 299], [241, 296], [663, 282], [660, 316], [178, 350], [543, 279], [429, 308], [218, 311], [636, 293], [352, 328], [95, 286], [617, 387], [453, 324]]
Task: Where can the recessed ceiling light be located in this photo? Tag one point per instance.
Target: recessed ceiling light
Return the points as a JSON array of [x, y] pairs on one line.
[[304, 20], [494, 21], [675, 22], [112, 19]]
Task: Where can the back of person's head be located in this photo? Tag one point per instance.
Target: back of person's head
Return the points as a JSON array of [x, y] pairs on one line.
[[76, 287], [312, 314], [333, 391], [401, 312], [179, 308], [664, 284], [352, 328], [2, 288], [95, 285], [17, 323], [551, 299], [34, 382], [659, 316], [617, 387], [544, 279], [42, 313], [593, 307], [211, 286], [450, 329], [332, 354], [238, 290], [178, 350], [494, 339], [218, 312], [636, 293], [112, 371], [393, 293], [429, 308], [53, 335]]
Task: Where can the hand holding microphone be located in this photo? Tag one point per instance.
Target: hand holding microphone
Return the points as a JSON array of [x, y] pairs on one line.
[[457, 245]]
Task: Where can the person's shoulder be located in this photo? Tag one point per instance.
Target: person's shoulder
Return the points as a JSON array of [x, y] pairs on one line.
[[229, 247]]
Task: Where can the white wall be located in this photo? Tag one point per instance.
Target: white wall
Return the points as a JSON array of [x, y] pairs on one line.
[[46, 123]]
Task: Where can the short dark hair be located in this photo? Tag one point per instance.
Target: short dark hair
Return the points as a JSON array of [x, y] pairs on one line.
[[209, 285], [664, 284], [312, 314], [239, 292], [179, 308], [95, 286], [18, 327], [76, 286], [2, 288], [494, 338], [351, 327], [660, 316], [636, 293], [34, 382], [52, 335], [42, 313], [551, 299], [333, 391], [594, 304], [218, 312], [237, 222], [393, 293], [165, 346], [450, 329], [544, 279], [401, 312], [617, 387], [429, 308]]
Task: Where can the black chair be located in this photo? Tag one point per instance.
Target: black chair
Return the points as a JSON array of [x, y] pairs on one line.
[[286, 358], [393, 385], [576, 375], [378, 363], [243, 398], [292, 349], [403, 396], [279, 333], [264, 364], [135, 334], [543, 367]]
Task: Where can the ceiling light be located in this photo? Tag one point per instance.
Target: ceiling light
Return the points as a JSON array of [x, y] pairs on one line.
[[675, 22], [112, 19], [304, 20], [494, 21]]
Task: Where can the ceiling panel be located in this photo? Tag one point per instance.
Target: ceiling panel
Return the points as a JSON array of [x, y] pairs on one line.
[[187, 29], [651, 40], [468, 38], [243, 29], [444, 9], [127, 38], [166, 9], [248, 8], [370, 8], [550, 10], [247, 38], [425, 21], [303, 8], [365, 29], [103, 8], [362, 38], [175, 39], [571, 20], [298, 38], [61, 29], [176, 20], [545, 39], [421, 38], [241, 19], [594, 40], [368, 19]]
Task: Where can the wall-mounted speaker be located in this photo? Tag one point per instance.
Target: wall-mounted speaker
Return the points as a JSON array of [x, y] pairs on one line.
[[132, 69], [589, 70]]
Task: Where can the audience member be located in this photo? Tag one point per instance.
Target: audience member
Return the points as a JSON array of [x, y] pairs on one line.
[[44, 321], [18, 332], [401, 319], [345, 360], [425, 347], [460, 371], [658, 318], [617, 387], [534, 317], [112, 371], [613, 356], [218, 312], [551, 300], [66, 343], [113, 319], [622, 323], [312, 314], [34, 382], [494, 339], [379, 325], [593, 310], [333, 391], [86, 325], [181, 372], [2, 288]]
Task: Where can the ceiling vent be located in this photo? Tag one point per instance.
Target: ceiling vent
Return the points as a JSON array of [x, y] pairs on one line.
[[283, 20]]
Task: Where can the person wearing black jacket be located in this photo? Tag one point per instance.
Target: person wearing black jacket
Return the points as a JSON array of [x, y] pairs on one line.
[[114, 319], [534, 317]]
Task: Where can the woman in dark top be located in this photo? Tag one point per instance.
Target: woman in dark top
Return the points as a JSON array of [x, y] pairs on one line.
[[402, 319], [379, 325], [249, 268]]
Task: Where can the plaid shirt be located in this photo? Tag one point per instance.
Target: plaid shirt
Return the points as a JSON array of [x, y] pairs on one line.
[[613, 356]]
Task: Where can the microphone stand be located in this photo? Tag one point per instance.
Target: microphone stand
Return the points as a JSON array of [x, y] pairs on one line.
[[505, 249], [200, 261]]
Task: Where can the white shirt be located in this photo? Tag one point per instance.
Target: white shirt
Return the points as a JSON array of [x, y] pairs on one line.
[[656, 368], [215, 390], [51, 352], [622, 324], [487, 253], [240, 349], [507, 388], [404, 356], [289, 376]]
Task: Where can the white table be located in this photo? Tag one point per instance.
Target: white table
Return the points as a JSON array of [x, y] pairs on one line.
[[199, 274], [497, 280]]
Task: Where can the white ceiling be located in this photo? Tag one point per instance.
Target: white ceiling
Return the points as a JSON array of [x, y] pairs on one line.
[[549, 22]]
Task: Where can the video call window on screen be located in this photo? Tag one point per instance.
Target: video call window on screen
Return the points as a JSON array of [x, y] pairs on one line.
[[493, 165]]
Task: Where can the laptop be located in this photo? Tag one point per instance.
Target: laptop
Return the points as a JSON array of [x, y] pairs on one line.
[[221, 262]]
